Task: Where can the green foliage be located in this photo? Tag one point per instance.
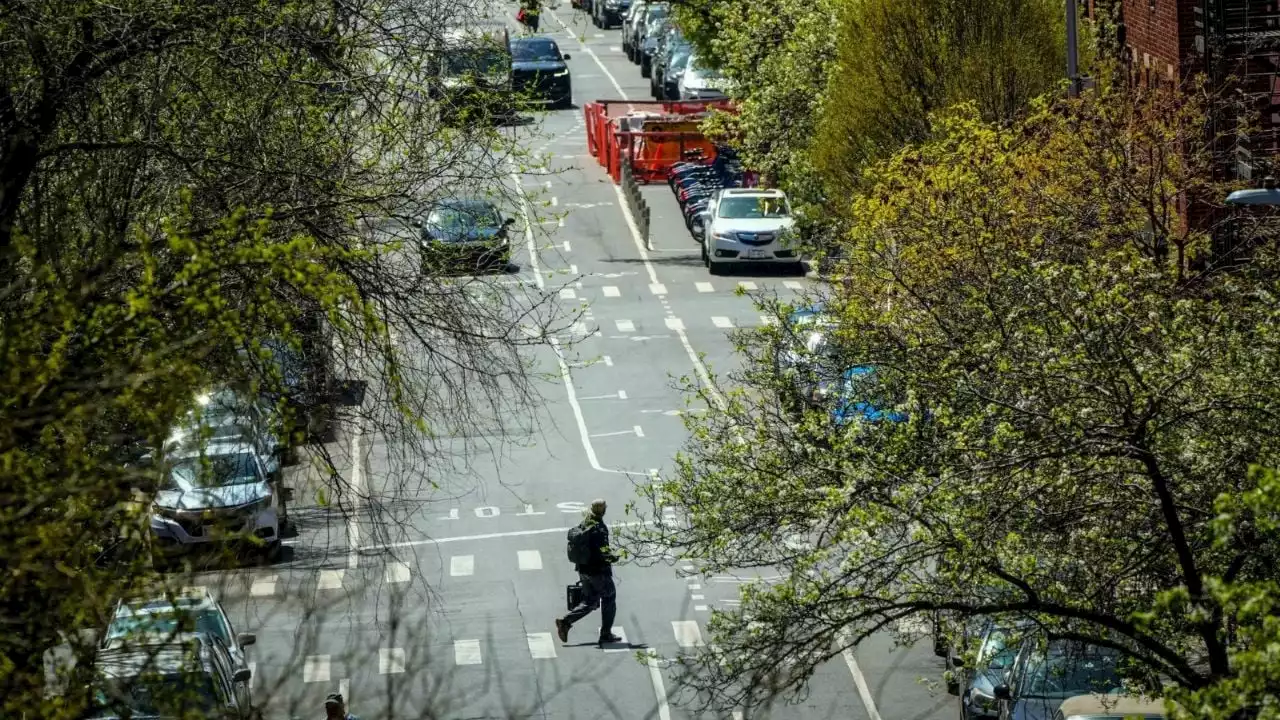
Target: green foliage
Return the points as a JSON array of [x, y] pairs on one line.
[[900, 62], [183, 182], [1084, 403]]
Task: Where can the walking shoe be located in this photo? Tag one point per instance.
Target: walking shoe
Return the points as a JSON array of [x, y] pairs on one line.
[[609, 638], [562, 630]]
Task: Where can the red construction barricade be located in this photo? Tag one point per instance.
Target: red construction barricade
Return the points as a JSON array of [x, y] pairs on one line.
[[600, 115], [653, 152]]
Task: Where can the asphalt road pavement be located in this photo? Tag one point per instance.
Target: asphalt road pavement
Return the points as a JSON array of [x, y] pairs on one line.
[[440, 602]]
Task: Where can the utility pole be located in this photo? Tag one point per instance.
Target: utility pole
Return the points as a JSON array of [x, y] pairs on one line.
[[1073, 59]]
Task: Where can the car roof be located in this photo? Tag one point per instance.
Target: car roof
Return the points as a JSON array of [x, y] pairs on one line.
[[533, 40], [752, 192], [1097, 705]]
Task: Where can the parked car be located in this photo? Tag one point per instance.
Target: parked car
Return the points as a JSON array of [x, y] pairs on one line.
[[748, 225], [225, 414], [538, 69], [668, 67], [192, 677], [607, 13], [701, 82], [855, 399], [193, 610], [997, 648], [640, 25], [215, 492], [654, 30], [1111, 707], [1047, 672], [633, 16], [464, 234]]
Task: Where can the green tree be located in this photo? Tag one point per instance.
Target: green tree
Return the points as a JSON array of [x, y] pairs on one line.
[[180, 183], [899, 63], [1083, 401]]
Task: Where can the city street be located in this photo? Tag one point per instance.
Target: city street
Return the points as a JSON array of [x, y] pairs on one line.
[[448, 611]]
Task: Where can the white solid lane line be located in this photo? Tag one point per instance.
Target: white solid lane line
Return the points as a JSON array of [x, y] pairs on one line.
[[486, 536], [357, 471], [659, 687]]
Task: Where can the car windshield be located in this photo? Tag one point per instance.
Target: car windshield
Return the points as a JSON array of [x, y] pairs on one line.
[[753, 208], [168, 695], [998, 650], [481, 61], [214, 471], [465, 217], [655, 12], [170, 622], [535, 51], [1065, 673]]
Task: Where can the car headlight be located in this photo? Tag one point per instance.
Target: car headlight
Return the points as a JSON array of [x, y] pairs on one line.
[[723, 235], [563, 73], [981, 699]]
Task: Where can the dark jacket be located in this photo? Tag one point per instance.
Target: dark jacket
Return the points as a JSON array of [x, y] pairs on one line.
[[602, 556]]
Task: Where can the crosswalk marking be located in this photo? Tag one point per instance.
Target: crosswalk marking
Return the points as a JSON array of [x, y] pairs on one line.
[[721, 321], [687, 633], [462, 565], [705, 287], [330, 579], [611, 291], [766, 320], [529, 559], [792, 285], [625, 646], [675, 323], [390, 660], [579, 329], [466, 652], [315, 668], [658, 289], [253, 673], [568, 294], [541, 646], [746, 285], [265, 585], [625, 325], [397, 572]]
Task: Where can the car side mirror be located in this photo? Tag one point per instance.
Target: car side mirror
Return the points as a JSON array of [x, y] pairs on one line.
[[957, 660], [509, 222], [242, 675], [246, 639], [565, 56], [1002, 692], [416, 222]]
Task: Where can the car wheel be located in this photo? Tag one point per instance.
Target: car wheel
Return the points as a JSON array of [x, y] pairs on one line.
[[271, 551], [646, 67]]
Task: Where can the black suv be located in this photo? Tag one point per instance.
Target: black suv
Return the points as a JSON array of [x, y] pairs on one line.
[[191, 674]]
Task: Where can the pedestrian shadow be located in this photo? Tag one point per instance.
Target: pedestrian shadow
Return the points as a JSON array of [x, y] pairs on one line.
[[611, 646]]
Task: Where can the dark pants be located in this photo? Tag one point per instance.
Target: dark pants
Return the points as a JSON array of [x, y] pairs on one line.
[[597, 592]]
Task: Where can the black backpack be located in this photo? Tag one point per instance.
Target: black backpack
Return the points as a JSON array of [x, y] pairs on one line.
[[579, 548]]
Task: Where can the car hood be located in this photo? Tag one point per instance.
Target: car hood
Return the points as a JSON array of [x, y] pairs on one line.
[[213, 498], [756, 225], [696, 81], [541, 66], [463, 235], [1037, 708]]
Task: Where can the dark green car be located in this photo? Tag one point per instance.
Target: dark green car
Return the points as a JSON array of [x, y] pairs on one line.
[[465, 235]]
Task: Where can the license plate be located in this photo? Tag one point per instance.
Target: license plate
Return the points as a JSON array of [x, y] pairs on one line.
[[755, 254]]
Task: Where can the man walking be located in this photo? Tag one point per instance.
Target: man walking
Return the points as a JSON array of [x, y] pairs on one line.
[[335, 708], [593, 559]]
